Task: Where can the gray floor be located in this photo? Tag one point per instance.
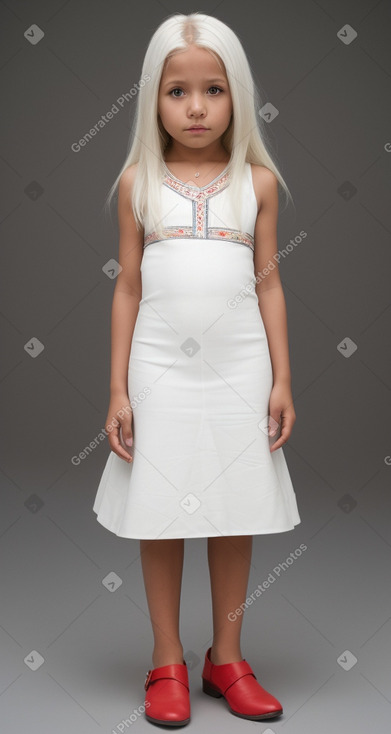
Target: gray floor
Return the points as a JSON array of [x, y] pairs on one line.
[[76, 639]]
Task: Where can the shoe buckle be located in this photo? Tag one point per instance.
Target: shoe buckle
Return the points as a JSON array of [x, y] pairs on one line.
[[147, 679]]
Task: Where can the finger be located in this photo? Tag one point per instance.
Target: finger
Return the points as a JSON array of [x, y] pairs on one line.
[[123, 455], [117, 447], [277, 444], [125, 416], [285, 433], [273, 424], [127, 434]]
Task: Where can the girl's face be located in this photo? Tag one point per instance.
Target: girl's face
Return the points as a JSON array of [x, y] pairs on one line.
[[194, 90]]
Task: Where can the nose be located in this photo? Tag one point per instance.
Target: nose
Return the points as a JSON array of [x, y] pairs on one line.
[[196, 105]]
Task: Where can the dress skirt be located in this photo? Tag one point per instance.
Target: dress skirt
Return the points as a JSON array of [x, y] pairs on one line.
[[199, 382]]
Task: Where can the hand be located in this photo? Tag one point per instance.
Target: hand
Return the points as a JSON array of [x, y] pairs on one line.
[[281, 409], [119, 420]]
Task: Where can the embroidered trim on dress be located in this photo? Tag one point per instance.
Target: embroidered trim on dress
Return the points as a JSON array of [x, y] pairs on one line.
[[200, 212], [213, 233], [193, 193]]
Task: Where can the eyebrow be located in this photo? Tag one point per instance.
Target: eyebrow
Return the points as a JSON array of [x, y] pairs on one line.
[[180, 81]]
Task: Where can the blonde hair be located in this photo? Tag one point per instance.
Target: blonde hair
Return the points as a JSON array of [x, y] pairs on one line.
[[244, 138]]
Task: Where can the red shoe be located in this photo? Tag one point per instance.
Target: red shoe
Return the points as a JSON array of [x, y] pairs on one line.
[[238, 684], [167, 700]]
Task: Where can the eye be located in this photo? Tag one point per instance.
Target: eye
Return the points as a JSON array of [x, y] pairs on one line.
[[175, 90], [216, 95], [178, 89]]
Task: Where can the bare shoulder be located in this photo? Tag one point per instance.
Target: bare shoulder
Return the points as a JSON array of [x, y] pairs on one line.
[[265, 184], [130, 249], [125, 188], [127, 178]]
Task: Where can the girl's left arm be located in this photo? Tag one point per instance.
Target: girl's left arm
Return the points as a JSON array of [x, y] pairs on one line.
[[272, 305]]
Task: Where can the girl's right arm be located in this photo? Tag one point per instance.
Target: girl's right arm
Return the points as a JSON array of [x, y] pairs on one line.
[[126, 299]]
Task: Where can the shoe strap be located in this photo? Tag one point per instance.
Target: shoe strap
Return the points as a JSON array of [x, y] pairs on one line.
[[175, 671], [227, 674]]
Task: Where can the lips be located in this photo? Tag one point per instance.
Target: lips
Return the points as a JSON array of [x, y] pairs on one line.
[[197, 127]]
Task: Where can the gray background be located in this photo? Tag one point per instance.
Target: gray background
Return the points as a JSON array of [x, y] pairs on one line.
[[332, 141]]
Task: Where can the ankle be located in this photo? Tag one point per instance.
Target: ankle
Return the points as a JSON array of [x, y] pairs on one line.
[[221, 655], [167, 656]]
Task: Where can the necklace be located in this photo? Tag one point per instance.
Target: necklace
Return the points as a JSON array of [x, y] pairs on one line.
[[197, 174]]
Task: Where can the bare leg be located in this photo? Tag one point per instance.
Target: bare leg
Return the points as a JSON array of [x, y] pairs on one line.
[[229, 561], [162, 565]]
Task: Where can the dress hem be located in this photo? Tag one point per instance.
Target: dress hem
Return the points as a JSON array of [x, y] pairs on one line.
[[211, 535]]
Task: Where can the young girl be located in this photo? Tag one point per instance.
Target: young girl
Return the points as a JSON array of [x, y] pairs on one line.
[[200, 375]]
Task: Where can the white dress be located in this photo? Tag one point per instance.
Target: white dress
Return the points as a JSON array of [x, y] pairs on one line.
[[199, 383]]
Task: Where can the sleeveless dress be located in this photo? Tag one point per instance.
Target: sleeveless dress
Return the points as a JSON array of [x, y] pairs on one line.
[[199, 382]]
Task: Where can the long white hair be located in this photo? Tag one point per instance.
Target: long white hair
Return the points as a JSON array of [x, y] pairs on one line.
[[244, 138]]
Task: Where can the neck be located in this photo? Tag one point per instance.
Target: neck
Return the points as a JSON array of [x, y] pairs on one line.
[[195, 158]]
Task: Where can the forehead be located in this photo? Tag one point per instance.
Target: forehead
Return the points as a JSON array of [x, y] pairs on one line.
[[194, 62]]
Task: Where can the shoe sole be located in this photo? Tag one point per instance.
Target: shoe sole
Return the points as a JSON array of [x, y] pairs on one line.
[[164, 722], [215, 693]]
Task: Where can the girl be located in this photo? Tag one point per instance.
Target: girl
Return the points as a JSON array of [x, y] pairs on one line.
[[200, 366]]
